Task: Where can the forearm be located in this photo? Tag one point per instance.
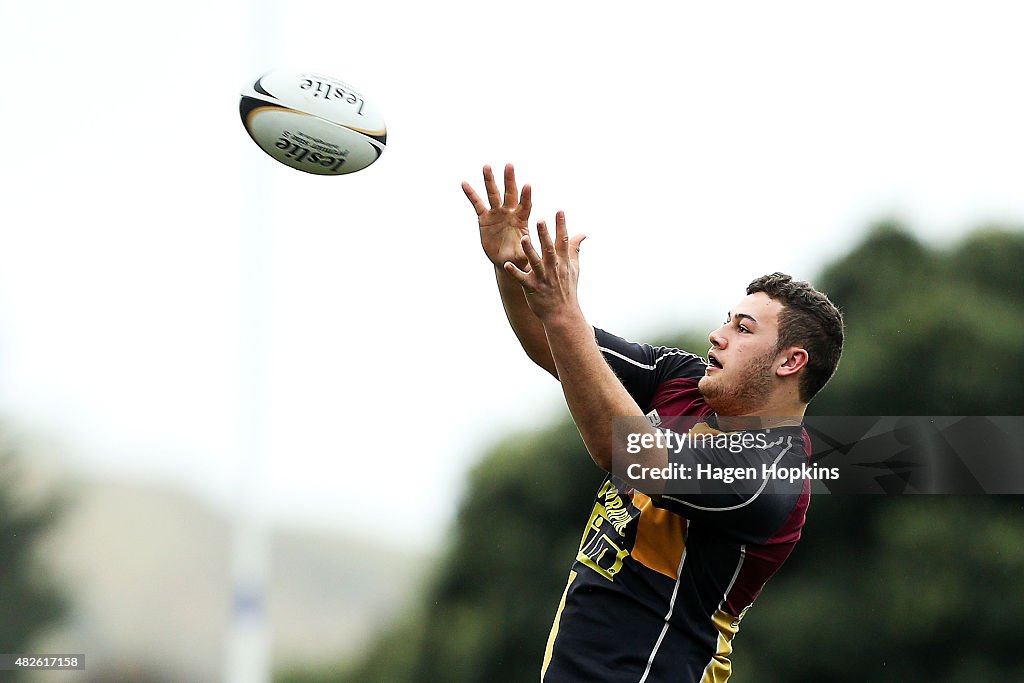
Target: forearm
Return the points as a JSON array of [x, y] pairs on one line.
[[527, 326], [593, 393]]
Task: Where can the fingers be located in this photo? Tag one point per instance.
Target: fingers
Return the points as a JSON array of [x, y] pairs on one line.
[[575, 242], [520, 276], [546, 245], [511, 193], [574, 249], [513, 200], [554, 251], [491, 187], [561, 235], [525, 203], [544, 268], [474, 199], [536, 262], [565, 247]]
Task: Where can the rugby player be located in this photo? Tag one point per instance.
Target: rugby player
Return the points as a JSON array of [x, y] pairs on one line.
[[665, 571]]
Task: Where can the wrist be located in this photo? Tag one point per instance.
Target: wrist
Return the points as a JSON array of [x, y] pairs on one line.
[[566, 324]]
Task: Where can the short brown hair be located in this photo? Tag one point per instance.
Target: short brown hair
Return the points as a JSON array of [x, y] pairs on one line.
[[808, 320]]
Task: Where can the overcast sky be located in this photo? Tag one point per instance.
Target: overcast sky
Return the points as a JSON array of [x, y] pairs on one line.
[[157, 268]]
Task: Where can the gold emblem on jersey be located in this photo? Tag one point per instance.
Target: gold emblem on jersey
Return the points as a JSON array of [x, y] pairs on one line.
[[598, 550]]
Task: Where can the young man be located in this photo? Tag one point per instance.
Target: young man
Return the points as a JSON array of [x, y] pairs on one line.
[[667, 568]]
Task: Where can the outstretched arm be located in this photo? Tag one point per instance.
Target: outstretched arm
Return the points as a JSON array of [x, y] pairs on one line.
[[592, 391], [502, 226]]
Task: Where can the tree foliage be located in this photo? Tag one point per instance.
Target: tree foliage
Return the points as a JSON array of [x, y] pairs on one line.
[[879, 589], [29, 599], [929, 332]]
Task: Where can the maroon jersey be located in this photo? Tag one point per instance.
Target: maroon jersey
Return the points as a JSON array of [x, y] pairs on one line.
[[659, 585]]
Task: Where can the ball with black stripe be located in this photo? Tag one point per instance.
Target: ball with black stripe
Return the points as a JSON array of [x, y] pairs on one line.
[[312, 122]]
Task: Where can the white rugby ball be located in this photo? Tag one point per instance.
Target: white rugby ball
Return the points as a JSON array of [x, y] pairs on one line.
[[313, 122]]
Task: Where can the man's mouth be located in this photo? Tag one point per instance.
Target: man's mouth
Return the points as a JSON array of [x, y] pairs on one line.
[[714, 362]]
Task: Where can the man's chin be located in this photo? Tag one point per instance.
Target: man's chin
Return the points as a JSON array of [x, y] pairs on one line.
[[708, 389], [711, 390]]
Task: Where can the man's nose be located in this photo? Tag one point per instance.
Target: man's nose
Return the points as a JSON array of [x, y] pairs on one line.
[[717, 339]]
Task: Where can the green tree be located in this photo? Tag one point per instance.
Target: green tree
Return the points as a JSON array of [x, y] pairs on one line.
[[929, 332], [29, 598]]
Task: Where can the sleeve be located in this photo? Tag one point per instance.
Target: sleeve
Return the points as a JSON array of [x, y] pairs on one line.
[[747, 487], [642, 368]]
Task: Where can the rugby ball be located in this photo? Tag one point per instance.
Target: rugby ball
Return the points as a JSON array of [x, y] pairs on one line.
[[312, 122]]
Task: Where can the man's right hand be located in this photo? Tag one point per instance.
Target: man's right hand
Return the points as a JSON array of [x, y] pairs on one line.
[[503, 225]]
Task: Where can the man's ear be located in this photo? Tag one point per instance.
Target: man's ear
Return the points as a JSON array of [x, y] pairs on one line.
[[794, 360]]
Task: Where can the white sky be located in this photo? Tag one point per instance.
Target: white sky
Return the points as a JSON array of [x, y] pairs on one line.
[[698, 146]]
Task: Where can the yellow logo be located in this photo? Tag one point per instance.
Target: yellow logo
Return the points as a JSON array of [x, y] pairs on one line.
[[597, 549]]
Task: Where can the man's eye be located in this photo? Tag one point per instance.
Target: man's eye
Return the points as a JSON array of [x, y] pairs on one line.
[[743, 328]]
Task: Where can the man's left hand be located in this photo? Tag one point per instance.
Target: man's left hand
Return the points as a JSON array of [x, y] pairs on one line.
[[550, 284]]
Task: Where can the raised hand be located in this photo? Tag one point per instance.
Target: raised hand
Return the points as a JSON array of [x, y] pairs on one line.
[[551, 278], [504, 223]]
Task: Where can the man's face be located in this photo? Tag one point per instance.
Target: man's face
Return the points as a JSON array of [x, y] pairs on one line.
[[741, 372]]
